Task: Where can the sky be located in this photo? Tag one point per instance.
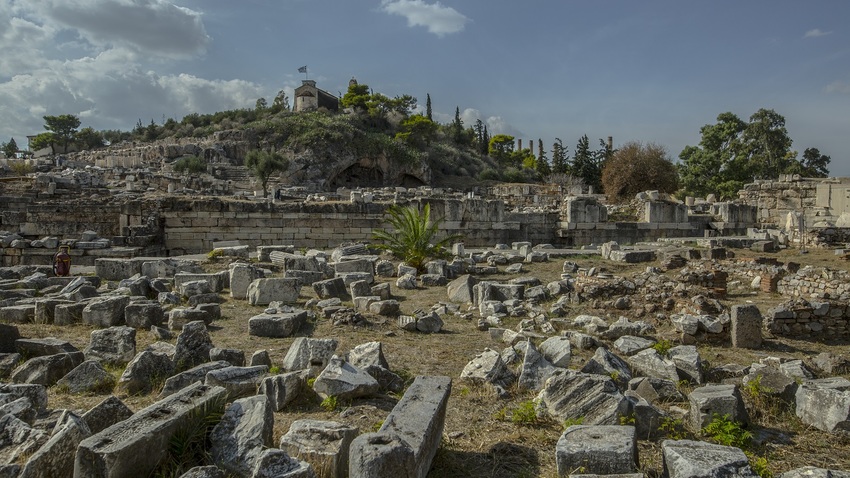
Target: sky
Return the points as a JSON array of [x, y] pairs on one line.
[[649, 70]]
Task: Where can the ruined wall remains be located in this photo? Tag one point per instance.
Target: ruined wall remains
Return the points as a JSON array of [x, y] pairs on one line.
[[803, 319]]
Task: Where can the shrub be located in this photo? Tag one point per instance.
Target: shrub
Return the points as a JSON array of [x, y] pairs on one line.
[[190, 164], [330, 403], [725, 431], [663, 346], [413, 240], [525, 413], [638, 167]]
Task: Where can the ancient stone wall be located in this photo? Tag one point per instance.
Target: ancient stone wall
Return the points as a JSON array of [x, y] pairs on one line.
[[804, 319], [817, 282]]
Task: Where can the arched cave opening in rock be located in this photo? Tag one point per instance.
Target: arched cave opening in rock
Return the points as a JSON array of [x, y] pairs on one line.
[[409, 181], [357, 176]]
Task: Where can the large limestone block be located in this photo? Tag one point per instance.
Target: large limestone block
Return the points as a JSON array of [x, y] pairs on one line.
[[145, 371], [143, 315], [45, 346], [241, 276], [56, 457], [105, 311], [106, 413], [18, 314], [696, 459], [322, 444], [307, 353], [574, 395], [193, 346], [557, 350], [282, 389], [19, 439], [217, 281], [196, 374], [239, 381], [597, 450], [651, 364], [116, 269], [243, 433], [824, 403], [276, 325], [746, 326], [603, 362], [488, 367], [535, 369], [340, 379], [112, 346], [135, 447], [89, 376], [265, 291], [330, 288], [46, 370], [8, 335], [365, 355], [717, 399]]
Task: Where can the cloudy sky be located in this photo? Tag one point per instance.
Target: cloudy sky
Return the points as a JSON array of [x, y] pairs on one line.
[[646, 70]]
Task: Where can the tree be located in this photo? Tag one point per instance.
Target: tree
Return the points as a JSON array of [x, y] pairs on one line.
[[42, 140], [356, 97], [190, 164], [500, 147], [638, 167], [63, 127], [717, 165], [813, 165], [88, 138], [456, 131], [151, 131], [767, 145], [560, 161], [264, 165], [417, 130], [586, 164], [280, 102], [413, 239], [261, 104], [542, 165], [428, 107], [10, 148]]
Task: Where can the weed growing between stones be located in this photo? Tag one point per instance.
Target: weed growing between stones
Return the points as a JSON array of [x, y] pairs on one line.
[[760, 465], [673, 428], [330, 403], [728, 432], [525, 413], [572, 422], [663, 346], [188, 446]]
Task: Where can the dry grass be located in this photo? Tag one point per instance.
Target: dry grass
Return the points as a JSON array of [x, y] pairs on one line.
[[479, 438]]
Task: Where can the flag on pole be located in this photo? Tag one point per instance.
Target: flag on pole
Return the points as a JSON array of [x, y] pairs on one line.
[[303, 69]]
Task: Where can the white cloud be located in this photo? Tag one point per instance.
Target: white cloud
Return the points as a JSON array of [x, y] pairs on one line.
[[495, 124], [436, 17], [838, 86], [817, 32], [151, 26]]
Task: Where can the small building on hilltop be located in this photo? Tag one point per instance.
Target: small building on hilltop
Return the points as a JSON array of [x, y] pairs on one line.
[[308, 98]]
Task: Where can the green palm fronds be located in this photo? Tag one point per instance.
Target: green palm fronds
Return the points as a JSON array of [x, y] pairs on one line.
[[413, 240]]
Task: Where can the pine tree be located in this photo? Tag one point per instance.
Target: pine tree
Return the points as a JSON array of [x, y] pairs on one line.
[[542, 164], [428, 107], [10, 148], [457, 128], [560, 165]]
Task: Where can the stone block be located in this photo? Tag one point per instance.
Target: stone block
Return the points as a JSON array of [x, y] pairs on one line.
[[309, 354], [283, 389], [105, 311], [241, 276], [323, 444], [143, 315], [67, 314], [135, 446], [715, 400], [695, 459], [217, 281], [409, 437], [244, 431], [45, 346], [238, 381], [746, 326], [196, 374], [824, 403], [276, 325], [265, 291], [46, 370], [18, 314], [591, 397], [598, 450], [330, 288]]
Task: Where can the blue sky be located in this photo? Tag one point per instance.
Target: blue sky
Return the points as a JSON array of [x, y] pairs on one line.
[[636, 70]]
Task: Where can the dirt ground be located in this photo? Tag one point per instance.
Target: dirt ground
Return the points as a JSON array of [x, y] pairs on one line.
[[480, 439]]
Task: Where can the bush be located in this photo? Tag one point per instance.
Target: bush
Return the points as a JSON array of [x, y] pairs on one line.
[[525, 413], [638, 167], [190, 164], [725, 431]]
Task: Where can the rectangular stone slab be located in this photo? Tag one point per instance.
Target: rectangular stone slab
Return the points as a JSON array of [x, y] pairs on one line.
[[134, 447]]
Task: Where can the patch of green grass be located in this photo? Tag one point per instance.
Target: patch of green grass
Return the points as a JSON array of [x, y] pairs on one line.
[[310, 382], [673, 428], [569, 422], [274, 370], [525, 413], [663, 347], [330, 403]]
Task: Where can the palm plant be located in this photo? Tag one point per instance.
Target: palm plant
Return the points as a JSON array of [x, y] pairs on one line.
[[413, 238]]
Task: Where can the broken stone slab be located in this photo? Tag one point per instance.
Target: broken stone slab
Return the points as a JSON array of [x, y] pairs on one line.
[[106, 413], [360, 288], [428, 322], [19, 439], [105, 311], [814, 472], [557, 350], [45, 309], [8, 336], [623, 326], [112, 346], [266, 291], [323, 444], [574, 395], [386, 308], [309, 354], [630, 345], [282, 389], [696, 459], [238, 381], [342, 380], [276, 325], [409, 436], [217, 281], [56, 457], [193, 346], [18, 314], [651, 364], [328, 288], [36, 394], [708, 401], [648, 419], [369, 353], [688, 363], [238, 440], [604, 362], [180, 316], [234, 357], [382, 290], [196, 374], [143, 315], [68, 314], [824, 403], [48, 369], [145, 371], [655, 390], [772, 382], [21, 409], [488, 367], [260, 357], [535, 369], [210, 471], [597, 450], [88, 377], [241, 276], [264, 251], [136, 446], [297, 262], [42, 347], [484, 291], [8, 362], [305, 277], [460, 290], [276, 463]]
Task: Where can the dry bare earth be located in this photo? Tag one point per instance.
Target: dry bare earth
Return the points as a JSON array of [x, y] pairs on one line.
[[479, 439]]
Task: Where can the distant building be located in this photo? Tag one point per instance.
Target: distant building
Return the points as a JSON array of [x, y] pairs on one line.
[[308, 97]]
